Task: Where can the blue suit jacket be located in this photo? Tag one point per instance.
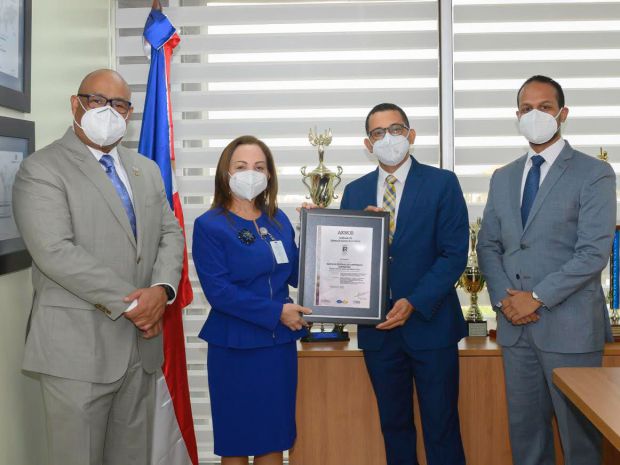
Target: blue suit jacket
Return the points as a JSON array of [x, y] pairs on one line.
[[427, 255], [243, 283]]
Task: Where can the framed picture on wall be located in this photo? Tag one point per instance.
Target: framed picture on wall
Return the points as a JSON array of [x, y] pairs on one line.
[[16, 143], [15, 40]]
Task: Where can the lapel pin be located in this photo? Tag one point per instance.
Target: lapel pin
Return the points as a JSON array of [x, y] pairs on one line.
[[136, 171]]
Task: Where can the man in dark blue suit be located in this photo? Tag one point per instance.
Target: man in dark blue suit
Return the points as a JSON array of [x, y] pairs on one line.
[[428, 252]]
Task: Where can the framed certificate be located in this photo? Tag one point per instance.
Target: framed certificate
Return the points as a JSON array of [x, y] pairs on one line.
[[16, 143], [15, 38], [343, 265]]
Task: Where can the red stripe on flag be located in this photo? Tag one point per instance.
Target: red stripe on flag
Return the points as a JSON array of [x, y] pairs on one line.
[[175, 362]]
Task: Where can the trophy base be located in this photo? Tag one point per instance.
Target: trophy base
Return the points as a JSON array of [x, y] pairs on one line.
[[477, 328], [326, 336], [615, 332]]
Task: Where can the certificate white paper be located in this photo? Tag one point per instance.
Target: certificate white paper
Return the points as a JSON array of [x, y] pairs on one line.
[[9, 37], [343, 269], [9, 164]]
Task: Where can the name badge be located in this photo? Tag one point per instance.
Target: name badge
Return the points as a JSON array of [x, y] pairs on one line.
[[278, 251]]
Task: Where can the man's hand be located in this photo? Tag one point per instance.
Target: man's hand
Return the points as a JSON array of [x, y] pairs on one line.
[[155, 330], [398, 316], [372, 208], [150, 308], [533, 318], [518, 306]]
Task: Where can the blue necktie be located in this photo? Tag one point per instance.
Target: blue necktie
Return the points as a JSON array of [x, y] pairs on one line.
[[532, 182], [108, 162]]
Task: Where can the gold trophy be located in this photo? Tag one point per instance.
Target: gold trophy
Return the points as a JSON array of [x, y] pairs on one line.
[[472, 282], [321, 182]]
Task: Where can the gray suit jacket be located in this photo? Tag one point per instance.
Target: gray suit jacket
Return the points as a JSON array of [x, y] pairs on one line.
[[86, 259], [559, 254]]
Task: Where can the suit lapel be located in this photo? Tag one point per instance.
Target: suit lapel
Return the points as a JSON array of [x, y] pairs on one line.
[[516, 179], [413, 186], [136, 181], [371, 193], [555, 172], [93, 171]]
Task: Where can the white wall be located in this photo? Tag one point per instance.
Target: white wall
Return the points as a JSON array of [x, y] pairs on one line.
[[69, 39]]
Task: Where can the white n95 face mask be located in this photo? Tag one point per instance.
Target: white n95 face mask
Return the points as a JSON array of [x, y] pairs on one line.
[[391, 150], [103, 126], [247, 184], [538, 127]]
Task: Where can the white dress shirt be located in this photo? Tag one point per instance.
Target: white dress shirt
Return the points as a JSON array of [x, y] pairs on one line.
[[550, 154], [401, 176], [118, 166]]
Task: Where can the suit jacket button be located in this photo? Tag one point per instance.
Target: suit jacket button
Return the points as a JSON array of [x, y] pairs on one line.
[[523, 246], [518, 276], [139, 260]]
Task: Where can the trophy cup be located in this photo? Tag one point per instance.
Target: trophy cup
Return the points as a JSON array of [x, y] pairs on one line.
[[472, 282], [614, 273], [321, 183]]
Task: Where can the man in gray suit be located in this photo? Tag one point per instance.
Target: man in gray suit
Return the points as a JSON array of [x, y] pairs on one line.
[[545, 238], [107, 256]]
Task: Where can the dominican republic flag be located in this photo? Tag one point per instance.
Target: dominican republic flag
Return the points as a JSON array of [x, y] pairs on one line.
[[174, 441]]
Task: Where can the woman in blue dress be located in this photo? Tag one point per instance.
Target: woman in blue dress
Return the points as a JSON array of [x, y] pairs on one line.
[[246, 258]]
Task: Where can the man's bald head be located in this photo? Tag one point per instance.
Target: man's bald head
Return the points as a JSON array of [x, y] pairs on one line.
[[106, 82]]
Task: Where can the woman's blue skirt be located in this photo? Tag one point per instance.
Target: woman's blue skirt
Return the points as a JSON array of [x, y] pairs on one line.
[[252, 398]]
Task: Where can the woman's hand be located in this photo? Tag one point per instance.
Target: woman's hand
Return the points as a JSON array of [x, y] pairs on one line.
[[291, 316], [307, 206]]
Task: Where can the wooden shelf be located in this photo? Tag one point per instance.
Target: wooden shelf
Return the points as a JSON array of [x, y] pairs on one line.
[[468, 347]]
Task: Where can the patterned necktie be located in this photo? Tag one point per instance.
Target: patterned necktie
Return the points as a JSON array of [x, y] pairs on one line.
[[532, 182], [389, 202], [108, 162]]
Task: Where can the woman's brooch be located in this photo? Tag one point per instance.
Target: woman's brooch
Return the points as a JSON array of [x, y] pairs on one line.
[[246, 236]]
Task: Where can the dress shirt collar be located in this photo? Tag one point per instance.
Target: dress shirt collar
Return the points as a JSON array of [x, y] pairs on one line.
[[98, 154], [400, 174], [550, 154]]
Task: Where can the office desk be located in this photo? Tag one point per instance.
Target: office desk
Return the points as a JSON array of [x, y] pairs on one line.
[[596, 393]]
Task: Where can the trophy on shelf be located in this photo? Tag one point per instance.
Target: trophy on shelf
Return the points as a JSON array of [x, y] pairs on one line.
[[614, 273], [472, 282], [321, 183]]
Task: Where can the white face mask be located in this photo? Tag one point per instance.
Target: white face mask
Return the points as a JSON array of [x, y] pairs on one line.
[[248, 184], [538, 127], [391, 150], [103, 126]]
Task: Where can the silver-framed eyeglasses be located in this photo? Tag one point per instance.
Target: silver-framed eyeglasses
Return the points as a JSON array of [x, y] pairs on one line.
[[99, 101], [394, 129]]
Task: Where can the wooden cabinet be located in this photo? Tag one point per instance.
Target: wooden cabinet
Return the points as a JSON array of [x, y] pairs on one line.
[[337, 418]]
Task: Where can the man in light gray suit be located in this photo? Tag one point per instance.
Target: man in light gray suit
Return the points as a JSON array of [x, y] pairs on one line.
[[107, 257], [546, 236]]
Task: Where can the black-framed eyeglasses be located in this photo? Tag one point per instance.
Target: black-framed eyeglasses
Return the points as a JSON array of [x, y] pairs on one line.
[[394, 129], [99, 101]]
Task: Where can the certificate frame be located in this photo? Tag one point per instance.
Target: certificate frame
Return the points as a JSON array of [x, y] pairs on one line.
[[16, 137], [15, 52], [309, 258]]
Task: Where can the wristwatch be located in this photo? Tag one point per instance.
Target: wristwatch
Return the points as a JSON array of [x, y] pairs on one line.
[[169, 291]]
